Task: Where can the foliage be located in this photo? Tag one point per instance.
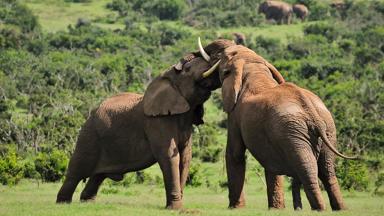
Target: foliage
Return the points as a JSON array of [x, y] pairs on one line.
[[162, 9], [11, 171], [11, 12], [353, 175], [205, 145], [195, 177], [51, 165], [379, 183]]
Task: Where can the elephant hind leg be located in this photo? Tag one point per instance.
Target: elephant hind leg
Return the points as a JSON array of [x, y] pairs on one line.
[[332, 187], [67, 189], [328, 178], [296, 184], [90, 191], [275, 190], [306, 168]]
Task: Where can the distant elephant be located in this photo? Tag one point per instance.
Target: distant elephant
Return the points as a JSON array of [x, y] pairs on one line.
[[239, 38], [286, 128], [130, 132], [280, 11], [301, 11]]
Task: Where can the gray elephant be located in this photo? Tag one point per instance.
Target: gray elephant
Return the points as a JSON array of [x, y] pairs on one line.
[[239, 38], [301, 11], [280, 11], [286, 128], [130, 132]]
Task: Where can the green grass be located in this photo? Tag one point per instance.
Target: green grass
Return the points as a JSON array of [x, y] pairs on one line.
[[281, 32], [31, 198], [56, 15]]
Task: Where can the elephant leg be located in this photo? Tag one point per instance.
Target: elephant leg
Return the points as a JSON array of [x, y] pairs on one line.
[[67, 189], [169, 161], [328, 178], [90, 191], [235, 163], [296, 184], [185, 159], [307, 172], [275, 190]]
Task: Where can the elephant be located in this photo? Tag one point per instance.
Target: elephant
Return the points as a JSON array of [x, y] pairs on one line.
[[130, 132], [277, 10], [288, 129], [239, 38], [301, 11]]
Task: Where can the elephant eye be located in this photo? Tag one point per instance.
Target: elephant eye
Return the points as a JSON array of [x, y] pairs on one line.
[[226, 73], [187, 67]]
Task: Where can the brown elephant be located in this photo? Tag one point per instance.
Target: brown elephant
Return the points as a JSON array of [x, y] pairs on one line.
[[130, 132], [286, 128], [301, 11], [280, 11]]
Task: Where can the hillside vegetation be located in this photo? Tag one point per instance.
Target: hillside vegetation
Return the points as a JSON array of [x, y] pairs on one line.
[[60, 59]]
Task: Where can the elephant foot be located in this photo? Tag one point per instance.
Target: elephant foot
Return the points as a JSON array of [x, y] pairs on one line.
[[298, 209], [236, 205], [87, 199], [175, 205], [61, 200]]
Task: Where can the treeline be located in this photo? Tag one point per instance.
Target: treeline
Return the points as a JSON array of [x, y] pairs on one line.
[[49, 82]]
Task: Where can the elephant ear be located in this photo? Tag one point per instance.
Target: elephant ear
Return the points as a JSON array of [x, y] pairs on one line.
[[275, 73], [232, 85], [161, 98]]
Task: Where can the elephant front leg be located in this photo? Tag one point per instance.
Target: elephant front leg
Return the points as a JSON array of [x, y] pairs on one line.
[[275, 190], [169, 163], [67, 189], [235, 162], [185, 159]]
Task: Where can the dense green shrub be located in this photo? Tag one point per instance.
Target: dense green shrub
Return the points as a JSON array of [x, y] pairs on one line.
[[12, 12], [205, 144], [353, 175], [379, 183], [11, 170], [164, 9], [51, 165], [195, 177]]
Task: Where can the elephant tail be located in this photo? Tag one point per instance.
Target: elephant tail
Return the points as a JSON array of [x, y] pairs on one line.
[[325, 139], [320, 126]]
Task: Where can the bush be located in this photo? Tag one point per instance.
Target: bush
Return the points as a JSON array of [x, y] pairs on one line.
[[330, 31], [51, 165], [195, 177], [353, 175], [12, 12], [379, 184], [11, 171], [205, 144], [167, 9]]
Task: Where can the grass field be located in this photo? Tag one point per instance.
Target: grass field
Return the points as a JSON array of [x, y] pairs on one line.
[[33, 198], [29, 198], [56, 15]]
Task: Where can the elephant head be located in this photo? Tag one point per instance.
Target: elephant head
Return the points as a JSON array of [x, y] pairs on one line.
[[263, 7], [181, 88], [236, 62]]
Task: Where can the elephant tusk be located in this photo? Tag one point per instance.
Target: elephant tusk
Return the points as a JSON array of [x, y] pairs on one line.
[[202, 51], [211, 70]]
